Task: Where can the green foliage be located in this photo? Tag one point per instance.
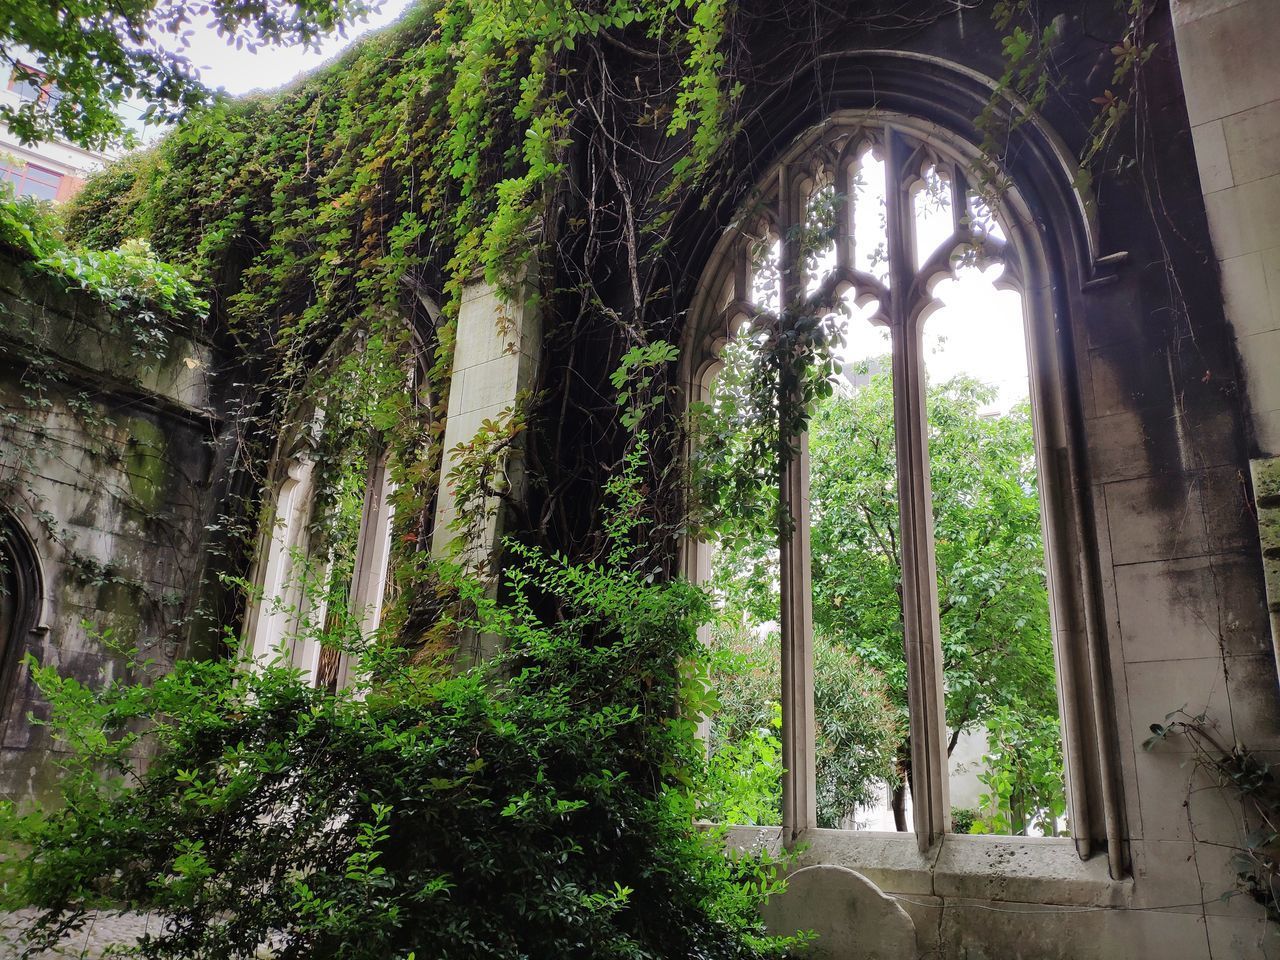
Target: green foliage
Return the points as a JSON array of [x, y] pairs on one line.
[[94, 55], [1030, 48], [540, 808], [963, 819], [28, 226], [103, 213], [332, 219], [142, 292], [1022, 771], [857, 728], [143, 295], [992, 598]]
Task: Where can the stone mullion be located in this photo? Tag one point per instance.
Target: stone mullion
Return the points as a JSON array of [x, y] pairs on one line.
[[925, 702], [799, 780], [842, 182]]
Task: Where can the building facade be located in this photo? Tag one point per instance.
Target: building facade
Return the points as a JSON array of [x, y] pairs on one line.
[[53, 170]]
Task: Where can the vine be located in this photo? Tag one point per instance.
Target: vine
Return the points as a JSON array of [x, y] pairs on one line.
[[1241, 771]]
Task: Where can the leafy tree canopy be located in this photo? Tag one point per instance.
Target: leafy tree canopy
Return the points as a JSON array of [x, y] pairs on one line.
[[96, 54], [992, 595]]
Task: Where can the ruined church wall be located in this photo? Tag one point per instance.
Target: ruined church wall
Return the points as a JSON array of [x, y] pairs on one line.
[[1170, 396], [105, 464]]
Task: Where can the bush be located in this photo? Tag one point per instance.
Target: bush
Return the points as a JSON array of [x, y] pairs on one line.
[[857, 729], [963, 819], [28, 226], [541, 810]]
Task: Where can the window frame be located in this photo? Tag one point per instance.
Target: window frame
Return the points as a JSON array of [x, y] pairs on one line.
[[19, 176], [1035, 261], [23, 79]]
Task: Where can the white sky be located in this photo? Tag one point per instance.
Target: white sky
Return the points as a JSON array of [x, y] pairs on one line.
[[238, 72], [977, 330]]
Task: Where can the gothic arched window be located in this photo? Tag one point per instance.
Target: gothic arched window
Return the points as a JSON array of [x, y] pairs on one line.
[[930, 528], [323, 568]]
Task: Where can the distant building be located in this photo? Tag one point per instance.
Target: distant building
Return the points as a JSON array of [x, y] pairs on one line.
[[50, 170]]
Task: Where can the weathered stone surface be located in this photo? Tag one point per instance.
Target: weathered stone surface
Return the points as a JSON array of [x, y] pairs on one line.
[[106, 468], [853, 918]]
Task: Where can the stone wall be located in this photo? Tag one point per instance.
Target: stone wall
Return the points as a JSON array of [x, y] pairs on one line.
[[1173, 402], [1227, 52], [1233, 103], [106, 459]]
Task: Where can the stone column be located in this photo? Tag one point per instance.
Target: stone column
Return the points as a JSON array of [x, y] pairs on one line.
[[495, 360]]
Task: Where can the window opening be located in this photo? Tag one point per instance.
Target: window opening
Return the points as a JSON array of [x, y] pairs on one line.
[[744, 737], [1004, 737], [907, 566], [30, 180], [861, 738]]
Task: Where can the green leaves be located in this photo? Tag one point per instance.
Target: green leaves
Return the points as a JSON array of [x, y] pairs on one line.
[[542, 807], [91, 56]]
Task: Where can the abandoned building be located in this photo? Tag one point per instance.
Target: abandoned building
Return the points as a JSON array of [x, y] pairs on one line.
[[1126, 321]]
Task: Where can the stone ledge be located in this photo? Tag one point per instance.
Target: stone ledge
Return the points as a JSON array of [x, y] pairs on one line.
[[1034, 870]]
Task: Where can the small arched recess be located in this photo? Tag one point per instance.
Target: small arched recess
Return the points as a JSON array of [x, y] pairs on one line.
[[21, 605]]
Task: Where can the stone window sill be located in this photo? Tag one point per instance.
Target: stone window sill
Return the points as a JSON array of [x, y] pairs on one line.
[[1039, 870]]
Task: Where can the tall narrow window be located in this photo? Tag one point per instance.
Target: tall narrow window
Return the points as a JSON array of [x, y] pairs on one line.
[[914, 650]]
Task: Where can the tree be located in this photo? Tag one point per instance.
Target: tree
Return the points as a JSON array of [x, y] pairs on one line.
[[93, 55], [992, 596], [858, 727]]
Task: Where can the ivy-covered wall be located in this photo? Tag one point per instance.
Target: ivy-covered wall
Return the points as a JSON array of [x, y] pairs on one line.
[[618, 146], [107, 453]]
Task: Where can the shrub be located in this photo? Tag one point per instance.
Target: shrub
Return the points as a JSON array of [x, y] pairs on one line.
[[542, 809], [963, 819]]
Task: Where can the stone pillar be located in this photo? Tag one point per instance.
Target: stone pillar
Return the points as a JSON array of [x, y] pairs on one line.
[[1226, 50], [495, 360]]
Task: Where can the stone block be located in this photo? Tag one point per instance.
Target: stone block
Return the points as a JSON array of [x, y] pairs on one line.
[[1261, 356], [1153, 934], [1180, 801], [1211, 156], [1021, 870], [1164, 875], [1245, 218], [1227, 56], [1229, 515], [490, 384], [1119, 447], [1255, 936], [1219, 892], [484, 332], [892, 861], [1186, 11], [1248, 301], [1157, 688], [1255, 706], [1155, 518], [852, 917], [1252, 140], [1187, 609], [1266, 430]]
